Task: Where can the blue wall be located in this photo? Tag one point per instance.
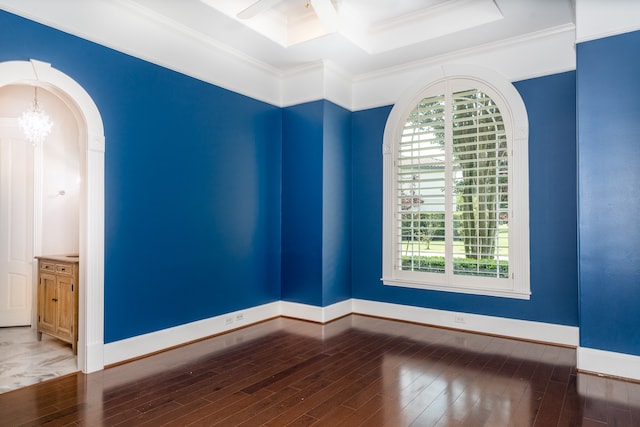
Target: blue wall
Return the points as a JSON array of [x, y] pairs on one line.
[[550, 102], [302, 150], [336, 283], [192, 184], [609, 194], [316, 196]]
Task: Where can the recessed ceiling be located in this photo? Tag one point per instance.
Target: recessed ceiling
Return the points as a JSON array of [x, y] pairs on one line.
[[372, 26], [373, 35]]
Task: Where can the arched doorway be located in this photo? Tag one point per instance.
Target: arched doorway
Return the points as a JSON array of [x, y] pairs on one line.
[[91, 295]]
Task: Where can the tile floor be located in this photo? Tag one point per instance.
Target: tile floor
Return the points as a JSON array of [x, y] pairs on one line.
[[24, 360]]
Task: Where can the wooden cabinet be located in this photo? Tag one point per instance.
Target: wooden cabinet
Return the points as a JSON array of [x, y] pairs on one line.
[[58, 298]]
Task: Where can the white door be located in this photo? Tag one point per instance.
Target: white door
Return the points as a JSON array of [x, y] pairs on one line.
[[16, 227]]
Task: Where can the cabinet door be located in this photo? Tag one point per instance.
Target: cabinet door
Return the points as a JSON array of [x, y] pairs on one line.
[[48, 302], [66, 307]]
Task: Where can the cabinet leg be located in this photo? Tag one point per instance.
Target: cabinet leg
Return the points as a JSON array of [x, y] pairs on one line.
[[39, 336]]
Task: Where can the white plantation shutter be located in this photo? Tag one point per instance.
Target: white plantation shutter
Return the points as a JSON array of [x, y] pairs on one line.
[[481, 178], [449, 191], [421, 194]]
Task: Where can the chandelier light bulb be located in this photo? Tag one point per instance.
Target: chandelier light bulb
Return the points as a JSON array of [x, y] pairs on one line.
[[35, 123]]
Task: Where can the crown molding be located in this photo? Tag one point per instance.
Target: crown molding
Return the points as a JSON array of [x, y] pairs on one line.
[[193, 53], [533, 55], [176, 46], [596, 20], [453, 56], [314, 81]]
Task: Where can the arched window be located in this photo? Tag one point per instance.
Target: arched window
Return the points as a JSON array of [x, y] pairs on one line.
[[456, 186]]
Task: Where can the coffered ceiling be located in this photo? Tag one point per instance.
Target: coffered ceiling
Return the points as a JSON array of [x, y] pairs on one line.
[[371, 34]]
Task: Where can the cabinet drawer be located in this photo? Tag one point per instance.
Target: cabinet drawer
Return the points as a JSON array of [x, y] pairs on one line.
[[47, 266], [64, 269]]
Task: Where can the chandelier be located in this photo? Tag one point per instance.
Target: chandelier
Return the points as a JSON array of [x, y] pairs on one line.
[[35, 123]]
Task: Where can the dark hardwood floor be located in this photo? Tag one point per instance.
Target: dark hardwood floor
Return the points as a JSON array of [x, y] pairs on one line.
[[354, 371]]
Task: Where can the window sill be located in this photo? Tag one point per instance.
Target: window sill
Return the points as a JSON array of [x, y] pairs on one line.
[[504, 293]]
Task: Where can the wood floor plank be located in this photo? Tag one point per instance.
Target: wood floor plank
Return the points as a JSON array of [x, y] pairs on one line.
[[288, 372], [362, 413], [156, 419], [365, 395], [284, 405], [306, 405], [635, 415], [328, 419], [339, 397], [551, 405], [249, 411], [355, 371]]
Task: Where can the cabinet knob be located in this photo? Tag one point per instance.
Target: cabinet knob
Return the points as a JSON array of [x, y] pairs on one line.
[[54, 299]]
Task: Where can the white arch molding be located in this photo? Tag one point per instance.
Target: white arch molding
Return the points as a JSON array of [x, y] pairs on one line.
[[514, 113], [92, 144]]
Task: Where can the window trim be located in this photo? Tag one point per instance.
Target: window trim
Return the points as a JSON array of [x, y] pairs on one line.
[[517, 126]]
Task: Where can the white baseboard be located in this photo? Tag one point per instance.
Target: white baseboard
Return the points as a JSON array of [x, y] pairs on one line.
[[589, 360], [513, 328], [314, 313], [93, 358], [609, 363], [141, 345]]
